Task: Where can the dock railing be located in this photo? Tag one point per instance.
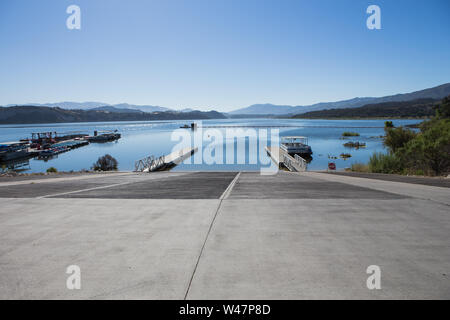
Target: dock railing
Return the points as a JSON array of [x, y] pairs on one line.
[[296, 164], [301, 162], [149, 164]]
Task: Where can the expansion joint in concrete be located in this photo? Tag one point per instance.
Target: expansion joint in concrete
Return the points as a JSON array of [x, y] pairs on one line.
[[223, 197]]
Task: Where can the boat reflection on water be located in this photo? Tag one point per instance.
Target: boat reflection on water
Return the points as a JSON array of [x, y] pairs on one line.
[[46, 156], [15, 165]]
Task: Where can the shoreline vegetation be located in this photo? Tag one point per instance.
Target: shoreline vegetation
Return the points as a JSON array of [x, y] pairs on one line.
[[35, 114], [48, 172], [426, 152], [104, 164], [350, 134], [366, 118], [355, 144], [414, 109], [30, 114]]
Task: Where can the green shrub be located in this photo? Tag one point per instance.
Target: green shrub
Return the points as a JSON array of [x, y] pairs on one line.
[[359, 167], [443, 109], [350, 134], [105, 163], [430, 150], [355, 144], [396, 138], [52, 170], [388, 124], [427, 152], [385, 163]]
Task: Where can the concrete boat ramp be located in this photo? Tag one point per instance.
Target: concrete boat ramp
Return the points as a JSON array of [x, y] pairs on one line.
[[223, 235]]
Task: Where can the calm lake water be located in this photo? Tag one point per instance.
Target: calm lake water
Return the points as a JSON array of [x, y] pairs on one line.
[[144, 138]]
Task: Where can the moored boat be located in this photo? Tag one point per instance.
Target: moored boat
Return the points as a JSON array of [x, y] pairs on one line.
[[14, 150], [104, 137], [296, 145]]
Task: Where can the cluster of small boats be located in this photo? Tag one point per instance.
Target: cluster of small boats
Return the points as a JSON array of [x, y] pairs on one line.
[[45, 145], [193, 126], [48, 153]]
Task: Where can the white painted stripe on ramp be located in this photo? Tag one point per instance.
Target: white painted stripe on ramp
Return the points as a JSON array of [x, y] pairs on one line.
[[82, 190], [230, 187], [63, 178]]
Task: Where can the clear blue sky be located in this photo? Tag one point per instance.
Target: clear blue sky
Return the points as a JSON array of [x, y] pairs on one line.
[[222, 54]]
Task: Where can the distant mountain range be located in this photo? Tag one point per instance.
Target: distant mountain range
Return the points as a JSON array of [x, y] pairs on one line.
[[187, 110], [39, 114], [144, 108], [419, 108], [114, 109], [90, 105], [438, 92], [256, 110], [102, 106]]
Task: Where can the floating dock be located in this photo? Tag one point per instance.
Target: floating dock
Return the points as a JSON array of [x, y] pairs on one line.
[[282, 158], [71, 144], [104, 137], [152, 163]]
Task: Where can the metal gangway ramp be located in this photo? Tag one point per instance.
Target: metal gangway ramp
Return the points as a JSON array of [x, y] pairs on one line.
[[152, 163], [281, 157]]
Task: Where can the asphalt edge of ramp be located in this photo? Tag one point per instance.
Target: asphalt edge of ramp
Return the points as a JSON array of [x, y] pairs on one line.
[[437, 194]]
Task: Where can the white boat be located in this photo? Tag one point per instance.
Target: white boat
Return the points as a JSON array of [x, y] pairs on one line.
[[296, 145]]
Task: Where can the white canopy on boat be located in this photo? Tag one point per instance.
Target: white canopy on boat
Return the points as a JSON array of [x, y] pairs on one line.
[[293, 139]]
